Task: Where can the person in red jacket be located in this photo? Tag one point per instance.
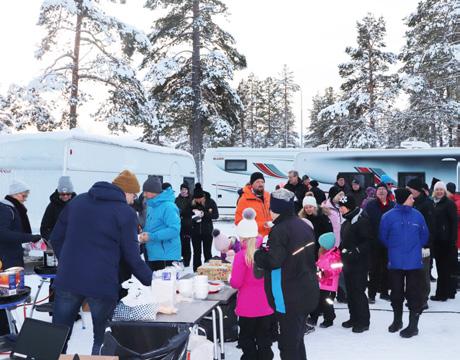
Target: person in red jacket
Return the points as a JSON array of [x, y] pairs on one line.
[[451, 194]]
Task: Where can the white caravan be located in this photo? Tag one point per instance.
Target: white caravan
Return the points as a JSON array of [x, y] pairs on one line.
[[226, 170], [39, 159]]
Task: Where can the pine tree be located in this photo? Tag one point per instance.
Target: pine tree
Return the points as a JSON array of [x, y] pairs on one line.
[[271, 113], [368, 90], [432, 72], [288, 89], [6, 121], [190, 66], [319, 126], [84, 44]]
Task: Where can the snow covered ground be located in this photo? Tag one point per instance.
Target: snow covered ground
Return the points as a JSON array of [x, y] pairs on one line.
[[439, 331]]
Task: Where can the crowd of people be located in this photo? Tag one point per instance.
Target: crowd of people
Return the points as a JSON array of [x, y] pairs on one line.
[[301, 249]]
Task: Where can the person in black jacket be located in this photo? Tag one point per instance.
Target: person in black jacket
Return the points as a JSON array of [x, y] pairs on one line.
[[357, 192], [319, 194], [296, 186], [203, 212], [14, 231], [444, 243], [356, 238], [378, 272], [183, 202], [342, 184], [425, 205], [291, 284], [314, 214], [58, 200]]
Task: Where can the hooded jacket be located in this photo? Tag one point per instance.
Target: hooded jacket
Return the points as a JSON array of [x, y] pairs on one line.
[[333, 213], [404, 232], [329, 263], [291, 283], [262, 208], [94, 232], [163, 226], [52, 212]]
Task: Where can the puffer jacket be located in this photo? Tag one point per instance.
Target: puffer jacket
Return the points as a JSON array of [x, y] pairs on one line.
[[404, 232], [330, 266], [333, 213], [262, 208], [163, 226]]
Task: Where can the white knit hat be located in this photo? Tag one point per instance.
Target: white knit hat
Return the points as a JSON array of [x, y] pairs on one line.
[[17, 187], [65, 185], [309, 200], [440, 185], [247, 227]]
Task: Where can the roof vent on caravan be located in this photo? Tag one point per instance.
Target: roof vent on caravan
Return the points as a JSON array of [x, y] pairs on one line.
[[323, 146], [413, 143]]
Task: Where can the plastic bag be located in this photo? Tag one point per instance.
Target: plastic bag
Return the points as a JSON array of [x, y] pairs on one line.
[[200, 348]]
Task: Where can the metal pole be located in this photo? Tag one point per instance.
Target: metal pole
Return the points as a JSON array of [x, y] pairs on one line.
[[301, 118]]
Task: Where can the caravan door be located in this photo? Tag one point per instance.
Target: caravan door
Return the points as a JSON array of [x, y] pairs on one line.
[[226, 193]]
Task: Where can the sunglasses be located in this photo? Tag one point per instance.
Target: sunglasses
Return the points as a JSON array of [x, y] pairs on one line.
[[65, 194]]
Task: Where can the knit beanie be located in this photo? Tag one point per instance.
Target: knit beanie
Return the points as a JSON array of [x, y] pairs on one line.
[[256, 176], [127, 182], [327, 240], [415, 184], [282, 201], [451, 188], [152, 185], [65, 185], [440, 185], [382, 184], [247, 227], [348, 201], [314, 183], [221, 241], [333, 191], [184, 186], [17, 187], [370, 191], [401, 195], [309, 200], [198, 192]]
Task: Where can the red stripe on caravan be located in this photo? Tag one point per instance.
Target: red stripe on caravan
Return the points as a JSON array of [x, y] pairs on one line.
[[369, 171], [266, 170]]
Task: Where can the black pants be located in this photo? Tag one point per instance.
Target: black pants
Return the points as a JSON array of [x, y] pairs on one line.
[[197, 241], [185, 246], [356, 280], [255, 338], [409, 284], [378, 272], [325, 306], [4, 328], [159, 264], [445, 257], [290, 338]]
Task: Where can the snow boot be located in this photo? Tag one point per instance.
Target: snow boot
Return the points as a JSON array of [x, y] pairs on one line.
[[412, 329], [397, 321]]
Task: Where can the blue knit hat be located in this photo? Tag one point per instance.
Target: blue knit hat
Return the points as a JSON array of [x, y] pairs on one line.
[[327, 240]]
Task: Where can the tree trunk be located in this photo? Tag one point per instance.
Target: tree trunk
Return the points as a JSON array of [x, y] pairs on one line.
[[197, 126], [286, 127], [371, 89], [75, 68]]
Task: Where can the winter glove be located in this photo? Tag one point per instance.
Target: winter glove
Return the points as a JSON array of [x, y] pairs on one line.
[[425, 253], [351, 254], [36, 238]]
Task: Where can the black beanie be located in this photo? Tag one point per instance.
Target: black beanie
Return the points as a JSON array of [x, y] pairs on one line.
[[198, 193], [256, 176], [415, 184], [401, 195], [382, 184], [333, 191], [314, 183], [451, 188], [349, 202]]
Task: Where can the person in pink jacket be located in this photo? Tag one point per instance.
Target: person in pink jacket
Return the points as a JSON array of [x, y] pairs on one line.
[[255, 314], [331, 209], [329, 268]]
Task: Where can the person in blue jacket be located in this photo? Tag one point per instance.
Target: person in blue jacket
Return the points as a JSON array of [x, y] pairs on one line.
[[162, 226], [93, 233], [404, 232]]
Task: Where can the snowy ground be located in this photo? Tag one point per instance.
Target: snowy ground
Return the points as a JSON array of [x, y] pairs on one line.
[[439, 331]]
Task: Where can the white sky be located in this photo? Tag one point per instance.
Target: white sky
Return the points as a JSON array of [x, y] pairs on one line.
[[309, 36]]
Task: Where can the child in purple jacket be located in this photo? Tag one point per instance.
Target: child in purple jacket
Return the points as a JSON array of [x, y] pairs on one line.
[[255, 314], [330, 266]]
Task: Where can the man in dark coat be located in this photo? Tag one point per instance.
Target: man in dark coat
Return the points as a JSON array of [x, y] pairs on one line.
[[203, 212], [319, 194], [291, 284], [342, 184], [94, 232], [357, 192], [356, 239], [58, 200], [378, 272], [183, 202], [444, 243], [14, 231], [403, 230], [296, 186], [425, 205]]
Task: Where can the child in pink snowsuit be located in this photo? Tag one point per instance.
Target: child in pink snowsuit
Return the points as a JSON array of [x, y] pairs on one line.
[[330, 266], [255, 314]]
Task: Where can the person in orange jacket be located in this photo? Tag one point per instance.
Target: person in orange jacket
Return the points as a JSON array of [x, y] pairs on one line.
[[254, 196]]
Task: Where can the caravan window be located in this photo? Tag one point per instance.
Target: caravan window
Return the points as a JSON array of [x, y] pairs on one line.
[[236, 165], [365, 179], [405, 177]]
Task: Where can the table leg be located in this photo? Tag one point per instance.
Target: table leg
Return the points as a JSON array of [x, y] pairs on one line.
[[11, 322], [221, 328], [42, 281], [214, 335]]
